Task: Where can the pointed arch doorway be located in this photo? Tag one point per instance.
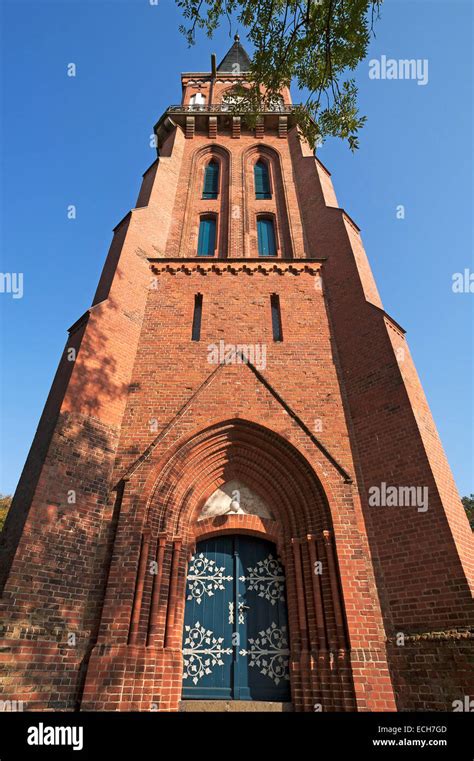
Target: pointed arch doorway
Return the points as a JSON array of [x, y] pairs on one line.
[[235, 638]]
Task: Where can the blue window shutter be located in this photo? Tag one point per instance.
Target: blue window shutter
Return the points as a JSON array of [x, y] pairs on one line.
[[262, 181], [258, 180], [266, 237], [211, 180], [207, 237], [260, 236]]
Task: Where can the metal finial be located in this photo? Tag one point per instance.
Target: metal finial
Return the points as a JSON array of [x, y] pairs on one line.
[[236, 38]]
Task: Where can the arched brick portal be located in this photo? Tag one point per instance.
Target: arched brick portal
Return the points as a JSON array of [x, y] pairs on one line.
[[137, 663]]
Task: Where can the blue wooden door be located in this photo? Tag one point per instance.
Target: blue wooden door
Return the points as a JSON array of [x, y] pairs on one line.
[[235, 640], [207, 636]]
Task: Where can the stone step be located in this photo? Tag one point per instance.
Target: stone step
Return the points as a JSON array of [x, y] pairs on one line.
[[234, 706]]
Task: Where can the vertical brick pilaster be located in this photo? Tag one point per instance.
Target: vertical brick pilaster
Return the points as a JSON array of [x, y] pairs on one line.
[[305, 698], [138, 597], [336, 598], [173, 638], [154, 624]]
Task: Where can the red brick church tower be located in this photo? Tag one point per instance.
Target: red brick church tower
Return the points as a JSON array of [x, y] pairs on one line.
[[236, 491]]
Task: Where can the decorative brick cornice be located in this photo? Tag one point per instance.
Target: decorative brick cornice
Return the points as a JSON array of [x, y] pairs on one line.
[[236, 266]]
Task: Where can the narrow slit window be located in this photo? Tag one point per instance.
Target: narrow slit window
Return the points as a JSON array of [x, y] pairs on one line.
[[276, 317], [207, 236], [262, 180], [266, 237], [196, 331], [211, 180]]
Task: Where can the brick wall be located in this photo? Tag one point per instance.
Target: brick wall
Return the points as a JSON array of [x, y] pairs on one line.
[[143, 427]]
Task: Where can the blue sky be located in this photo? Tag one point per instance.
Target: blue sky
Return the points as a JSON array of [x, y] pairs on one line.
[[85, 141]]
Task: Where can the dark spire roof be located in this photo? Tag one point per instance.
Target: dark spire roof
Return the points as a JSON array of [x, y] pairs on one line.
[[236, 55]]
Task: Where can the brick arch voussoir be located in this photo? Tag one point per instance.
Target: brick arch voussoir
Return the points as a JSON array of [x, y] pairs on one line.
[[241, 524], [244, 449], [269, 486], [278, 486], [261, 149]]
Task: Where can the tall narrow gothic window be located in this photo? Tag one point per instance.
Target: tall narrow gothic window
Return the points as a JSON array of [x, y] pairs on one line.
[[266, 237], [276, 317], [211, 180], [196, 331], [262, 180], [207, 236]]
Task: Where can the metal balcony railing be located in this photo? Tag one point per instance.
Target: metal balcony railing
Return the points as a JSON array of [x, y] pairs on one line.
[[212, 108]]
